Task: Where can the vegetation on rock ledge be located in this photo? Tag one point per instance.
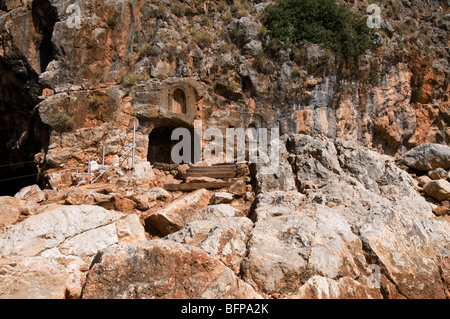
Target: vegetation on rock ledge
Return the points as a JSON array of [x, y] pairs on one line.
[[319, 21]]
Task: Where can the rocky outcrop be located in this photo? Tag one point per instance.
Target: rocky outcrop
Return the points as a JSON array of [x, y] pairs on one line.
[[47, 255], [162, 269], [70, 230]]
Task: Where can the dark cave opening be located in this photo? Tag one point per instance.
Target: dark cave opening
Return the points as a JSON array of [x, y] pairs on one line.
[[22, 133], [161, 144]]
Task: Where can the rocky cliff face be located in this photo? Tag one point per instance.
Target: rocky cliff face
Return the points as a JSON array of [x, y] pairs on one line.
[[77, 65], [337, 219]]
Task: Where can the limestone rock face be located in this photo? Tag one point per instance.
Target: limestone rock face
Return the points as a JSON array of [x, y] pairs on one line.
[[162, 269], [362, 212], [70, 231], [46, 256], [223, 238]]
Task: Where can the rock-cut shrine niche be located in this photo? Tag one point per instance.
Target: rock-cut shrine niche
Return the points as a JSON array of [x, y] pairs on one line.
[[179, 101]]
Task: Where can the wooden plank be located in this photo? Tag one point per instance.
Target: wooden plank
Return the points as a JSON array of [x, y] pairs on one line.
[[195, 186], [209, 174], [212, 169]]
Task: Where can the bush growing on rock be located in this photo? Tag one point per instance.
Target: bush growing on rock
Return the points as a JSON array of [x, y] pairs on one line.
[[63, 122], [319, 21]]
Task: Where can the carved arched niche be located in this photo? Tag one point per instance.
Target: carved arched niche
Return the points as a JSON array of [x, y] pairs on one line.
[[178, 101]]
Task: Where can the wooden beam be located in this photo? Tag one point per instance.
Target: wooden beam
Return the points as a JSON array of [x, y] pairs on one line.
[[209, 174], [195, 186]]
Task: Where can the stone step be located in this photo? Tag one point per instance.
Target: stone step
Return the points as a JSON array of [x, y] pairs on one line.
[[195, 186]]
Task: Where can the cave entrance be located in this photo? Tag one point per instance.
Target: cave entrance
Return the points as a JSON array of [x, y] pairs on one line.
[[179, 101], [160, 145]]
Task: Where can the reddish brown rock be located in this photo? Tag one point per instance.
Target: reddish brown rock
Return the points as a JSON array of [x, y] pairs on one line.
[[162, 269], [10, 210]]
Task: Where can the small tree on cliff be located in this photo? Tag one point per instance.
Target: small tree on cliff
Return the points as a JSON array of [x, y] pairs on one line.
[[319, 21]]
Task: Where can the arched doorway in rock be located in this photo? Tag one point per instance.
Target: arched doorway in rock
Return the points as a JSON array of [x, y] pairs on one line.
[[179, 101], [160, 144]]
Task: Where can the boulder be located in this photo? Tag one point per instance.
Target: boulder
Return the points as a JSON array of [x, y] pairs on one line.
[[222, 238], [423, 180], [438, 189], [32, 278], [216, 211], [428, 156], [221, 198], [285, 251], [123, 204], [70, 231], [238, 189], [162, 269], [144, 201], [160, 193], [173, 217], [10, 210], [142, 173], [438, 173], [31, 193]]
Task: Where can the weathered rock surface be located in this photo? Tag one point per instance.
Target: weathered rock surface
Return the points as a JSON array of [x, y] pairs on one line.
[[10, 210], [32, 278], [221, 198], [216, 211], [174, 216], [162, 269], [70, 231], [438, 189], [358, 209], [31, 193], [223, 238], [428, 156]]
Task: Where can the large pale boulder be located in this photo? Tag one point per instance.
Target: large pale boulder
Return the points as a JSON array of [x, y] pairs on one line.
[[162, 269], [216, 211], [31, 193], [32, 278], [174, 216], [222, 238], [428, 156], [285, 251], [70, 231]]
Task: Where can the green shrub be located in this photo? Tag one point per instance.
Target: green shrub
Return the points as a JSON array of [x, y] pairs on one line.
[[145, 50], [62, 122], [319, 21], [177, 9], [202, 38]]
